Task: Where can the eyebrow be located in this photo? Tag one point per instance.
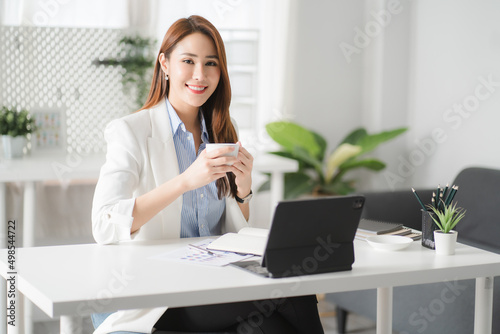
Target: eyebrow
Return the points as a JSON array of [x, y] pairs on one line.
[[193, 55]]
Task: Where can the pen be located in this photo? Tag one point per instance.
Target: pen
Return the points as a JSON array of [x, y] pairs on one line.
[[202, 249], [447, 198], [438, 193], [445, 191], [418, 199], [453, 194], [450, 197], [444, 195]]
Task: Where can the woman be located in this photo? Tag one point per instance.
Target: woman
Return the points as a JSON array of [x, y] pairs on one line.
[[159, 182]]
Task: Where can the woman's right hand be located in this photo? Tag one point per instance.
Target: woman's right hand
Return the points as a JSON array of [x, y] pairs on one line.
[[208, 167]]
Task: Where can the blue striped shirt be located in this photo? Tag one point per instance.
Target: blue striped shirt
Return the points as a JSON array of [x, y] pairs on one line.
[[201, 208]]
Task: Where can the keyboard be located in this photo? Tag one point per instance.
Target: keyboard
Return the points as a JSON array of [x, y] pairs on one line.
[[253, 267]]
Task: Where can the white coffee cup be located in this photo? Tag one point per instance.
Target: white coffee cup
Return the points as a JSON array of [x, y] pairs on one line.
[[214, 146]]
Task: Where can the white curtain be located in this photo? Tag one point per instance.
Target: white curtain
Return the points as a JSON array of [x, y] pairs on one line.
[[153, 17], [73, 13]]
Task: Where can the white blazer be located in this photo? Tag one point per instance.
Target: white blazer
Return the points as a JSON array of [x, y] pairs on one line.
[[140, 157]]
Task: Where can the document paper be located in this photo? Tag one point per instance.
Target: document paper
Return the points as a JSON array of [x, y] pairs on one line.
[[194, 255]]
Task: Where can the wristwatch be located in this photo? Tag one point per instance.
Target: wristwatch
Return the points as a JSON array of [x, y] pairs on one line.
[[245, 199]]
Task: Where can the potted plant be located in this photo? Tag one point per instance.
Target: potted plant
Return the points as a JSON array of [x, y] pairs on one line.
[[321, 173], [15, 125], [137, 61], [446, 217]]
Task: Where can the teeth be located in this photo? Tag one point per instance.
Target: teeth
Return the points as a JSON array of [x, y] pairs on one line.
[[196, 88]]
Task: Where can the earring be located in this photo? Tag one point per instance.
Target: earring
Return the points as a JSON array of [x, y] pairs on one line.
[[166, 77]]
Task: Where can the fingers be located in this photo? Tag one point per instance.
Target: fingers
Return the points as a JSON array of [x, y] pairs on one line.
[[205, 170], [245, 160], [214, 165], [217, 168], [219, 152], [223, 161], [242, 169], [242, 166], [220, 170], [244, 151]]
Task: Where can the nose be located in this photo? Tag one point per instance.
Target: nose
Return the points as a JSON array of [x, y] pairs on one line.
[[199, 72]]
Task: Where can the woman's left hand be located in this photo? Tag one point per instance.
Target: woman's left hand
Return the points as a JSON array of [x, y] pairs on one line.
[[242, 169]]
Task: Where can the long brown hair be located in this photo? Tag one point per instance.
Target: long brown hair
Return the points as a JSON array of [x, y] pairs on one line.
[[216, 108]]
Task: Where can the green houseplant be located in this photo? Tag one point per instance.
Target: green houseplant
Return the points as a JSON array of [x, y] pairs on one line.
[[15, 125], [446, 217], [137, 61], [319, 172]]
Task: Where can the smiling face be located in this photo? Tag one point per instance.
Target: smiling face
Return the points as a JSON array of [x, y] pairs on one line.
[[193, 72]]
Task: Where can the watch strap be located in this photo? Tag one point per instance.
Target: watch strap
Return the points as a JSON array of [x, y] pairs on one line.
[[245, 199]]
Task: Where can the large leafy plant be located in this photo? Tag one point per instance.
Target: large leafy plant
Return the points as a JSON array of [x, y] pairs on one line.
[[15, 122], [321, 173]]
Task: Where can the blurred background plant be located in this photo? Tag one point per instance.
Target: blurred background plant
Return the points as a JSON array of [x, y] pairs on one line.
[[137, 60], [14, 122], [319, 173]]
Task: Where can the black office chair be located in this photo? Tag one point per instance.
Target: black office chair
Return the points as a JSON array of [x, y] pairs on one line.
[[479, 194]]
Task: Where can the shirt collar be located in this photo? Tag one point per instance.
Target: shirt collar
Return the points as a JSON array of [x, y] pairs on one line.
[[204, 132], [176, 123]]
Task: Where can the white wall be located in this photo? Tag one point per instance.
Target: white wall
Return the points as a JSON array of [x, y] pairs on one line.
[[385, 82], [332, 90], [456, 47], [435, 54], [323, 92]]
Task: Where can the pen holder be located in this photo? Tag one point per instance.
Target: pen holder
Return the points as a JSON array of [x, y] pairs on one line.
[[428, 228]]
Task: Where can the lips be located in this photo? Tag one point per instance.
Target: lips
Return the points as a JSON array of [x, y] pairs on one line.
[[196, 89]]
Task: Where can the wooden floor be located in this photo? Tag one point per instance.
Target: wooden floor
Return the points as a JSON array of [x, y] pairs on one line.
[[355, 324]]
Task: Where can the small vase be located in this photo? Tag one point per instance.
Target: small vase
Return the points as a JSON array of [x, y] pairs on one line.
[[13, 146], [445, 242]]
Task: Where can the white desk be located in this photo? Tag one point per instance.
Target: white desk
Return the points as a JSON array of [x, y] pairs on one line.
[[123, 276], [40, 167], [29, 170]]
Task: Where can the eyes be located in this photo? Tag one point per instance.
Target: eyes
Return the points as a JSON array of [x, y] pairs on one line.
[[208, 63]]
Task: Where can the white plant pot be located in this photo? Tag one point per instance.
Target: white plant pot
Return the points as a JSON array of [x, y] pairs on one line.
[[445, 242], [13, 146]]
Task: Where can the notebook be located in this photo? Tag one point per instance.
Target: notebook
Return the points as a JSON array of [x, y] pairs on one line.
[[249, 240], [377, 226], [309, 236], [369, 227]]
